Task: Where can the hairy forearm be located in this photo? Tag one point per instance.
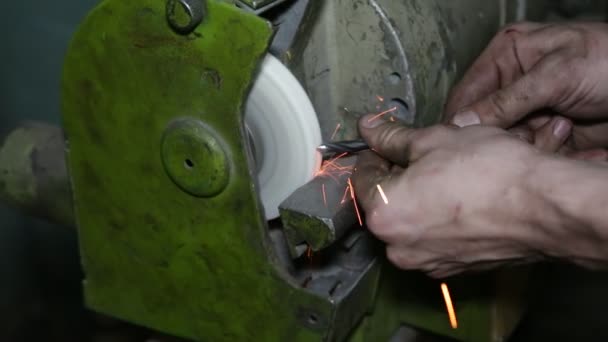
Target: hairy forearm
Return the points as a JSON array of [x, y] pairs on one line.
[[573, 215]]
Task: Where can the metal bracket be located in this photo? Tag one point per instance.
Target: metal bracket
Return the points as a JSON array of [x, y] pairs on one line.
[[259, 6]]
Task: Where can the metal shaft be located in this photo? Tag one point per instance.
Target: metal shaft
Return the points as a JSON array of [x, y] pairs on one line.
[[33, 173], [348, 146]]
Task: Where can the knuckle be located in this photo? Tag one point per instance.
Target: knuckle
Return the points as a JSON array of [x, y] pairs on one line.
[[572, 33], [499, 102], [416, 147], [577, 40], [504, 62], [392, 134], [396, 138], [422, 139]]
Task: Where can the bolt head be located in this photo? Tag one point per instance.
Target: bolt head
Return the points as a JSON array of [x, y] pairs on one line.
[[185, 15], [194, 158]]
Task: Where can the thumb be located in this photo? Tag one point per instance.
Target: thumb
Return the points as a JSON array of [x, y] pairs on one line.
[[398, 143]]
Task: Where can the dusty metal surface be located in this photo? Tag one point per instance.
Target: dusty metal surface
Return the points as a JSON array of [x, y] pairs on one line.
[[359, 57], [33, 174]]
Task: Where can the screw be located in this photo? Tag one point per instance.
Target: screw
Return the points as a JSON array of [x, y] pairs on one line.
[[194, 10]]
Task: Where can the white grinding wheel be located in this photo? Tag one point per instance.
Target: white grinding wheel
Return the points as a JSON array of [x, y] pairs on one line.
[[284, 132]]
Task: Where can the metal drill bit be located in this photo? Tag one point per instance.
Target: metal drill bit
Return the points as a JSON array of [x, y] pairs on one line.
[[348, 146]]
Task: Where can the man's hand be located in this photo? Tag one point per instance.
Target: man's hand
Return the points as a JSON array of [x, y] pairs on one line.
[[530, 67], [463, 203]]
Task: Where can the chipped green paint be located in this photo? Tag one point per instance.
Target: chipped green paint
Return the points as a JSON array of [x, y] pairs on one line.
[[152, 253]]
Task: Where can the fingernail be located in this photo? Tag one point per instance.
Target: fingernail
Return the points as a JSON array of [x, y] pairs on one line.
[[372, 121], [465, 119], [562, 128]]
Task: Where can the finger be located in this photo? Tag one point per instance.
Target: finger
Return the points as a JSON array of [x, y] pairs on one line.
[[512, 53], [596, 155], [586, 137], [545, 40], [536, 121], [505, 107], [371, 170], [400, 144], [497, 66], [523, 132], [407, 257], [551, 136]]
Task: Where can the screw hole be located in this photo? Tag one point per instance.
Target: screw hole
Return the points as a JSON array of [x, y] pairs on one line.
[[400, 104], [394, 78], [188, 164], [402, 111], [312, 319]]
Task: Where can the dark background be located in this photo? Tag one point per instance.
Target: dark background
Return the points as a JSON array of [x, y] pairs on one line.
[[39, 266]]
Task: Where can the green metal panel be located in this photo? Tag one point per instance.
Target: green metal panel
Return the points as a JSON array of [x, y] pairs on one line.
[[152, 253]]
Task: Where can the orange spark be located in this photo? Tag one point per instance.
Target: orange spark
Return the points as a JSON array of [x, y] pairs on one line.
[[381, 114], [309, 253], [335, 131], [324, 195], [382, 193], [392, 119], [380, 98], [332, 169], [352, 195], [448, 304], [340, 156], [344, 196]]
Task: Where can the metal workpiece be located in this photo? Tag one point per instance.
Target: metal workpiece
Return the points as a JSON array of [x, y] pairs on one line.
[[33, 173], [185, 15], [347, 146], [322, 211]]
